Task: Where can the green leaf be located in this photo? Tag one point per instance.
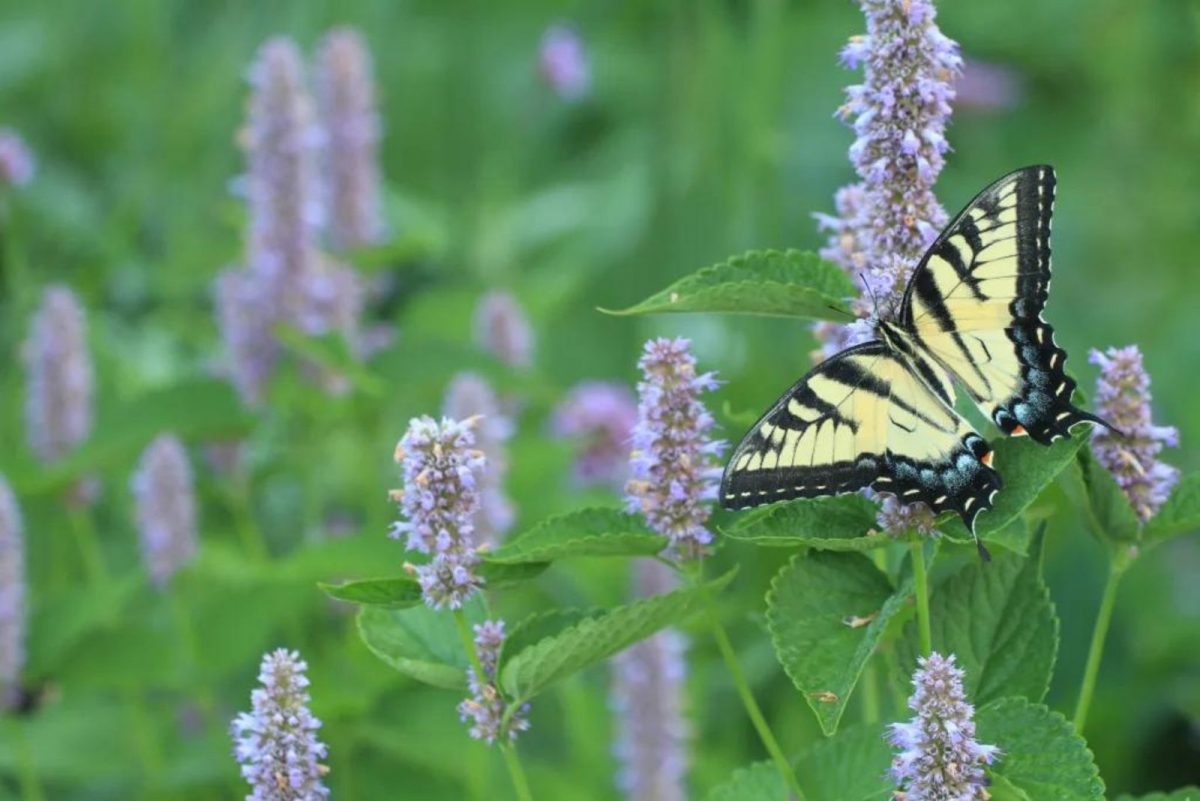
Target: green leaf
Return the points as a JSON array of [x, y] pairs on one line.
[[1026, 469], [1040, 752], [817, 610], [1179, 515], [787, 283], [390, 593], [540, 625], [998, 620], [593, 639], [833, 523], [1109, 514], [758, 782], [1182, 794], [499, 576], [587, 532], [849, 766], [420, 642]]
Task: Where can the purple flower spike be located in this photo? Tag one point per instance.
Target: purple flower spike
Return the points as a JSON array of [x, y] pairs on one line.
[[486, 708], [276, 742], [58, 409], [501, 328], [601, 415], [939, 758], [12, 598], [648, 700], [673, 463], [440, 499], [17, 162], [1123, 398], [470, 396], [166, 508]]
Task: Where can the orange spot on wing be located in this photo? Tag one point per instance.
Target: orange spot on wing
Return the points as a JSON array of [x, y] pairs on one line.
[[987, 458], [1019, 431]]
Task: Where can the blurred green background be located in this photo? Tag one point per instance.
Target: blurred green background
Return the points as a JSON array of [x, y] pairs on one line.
[[708, 130]]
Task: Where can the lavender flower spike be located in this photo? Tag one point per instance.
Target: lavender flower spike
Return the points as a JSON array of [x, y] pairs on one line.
[[939, 758], [166, 508], [58, 408], [442, 470], [563, 63], [243, 306], [1123, 398], [486, 708], [12, 598], [469, 395], [648, 699], [17, 162], [673, 461], [502, 328], [601, 415], [276, 742], [346, 100]]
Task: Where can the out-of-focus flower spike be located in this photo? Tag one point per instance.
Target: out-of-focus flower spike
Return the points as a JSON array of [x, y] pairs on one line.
[[12, 598], [470, 396], [502, 328], [58, 409], [563, 63], [601, 415], [17, 162], [166, 508]]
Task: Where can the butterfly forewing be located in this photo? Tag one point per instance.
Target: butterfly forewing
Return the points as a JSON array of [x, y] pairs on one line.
[[975, 301], [862, 419]]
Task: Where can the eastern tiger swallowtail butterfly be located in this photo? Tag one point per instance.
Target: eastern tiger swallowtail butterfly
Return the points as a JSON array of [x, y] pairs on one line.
[[881, 414]]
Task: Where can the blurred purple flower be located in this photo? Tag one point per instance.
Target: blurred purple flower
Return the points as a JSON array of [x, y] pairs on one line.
[[673, 463], [442, 470], [12, 598], [17, 162], [601, 415], [486, 707], [985, 87], [166, 508], [351, 122], [276, 742], [648, 699], [563, 63], [1123, 398], [58, 408], [470, 396], [501, 328], [939, 758]]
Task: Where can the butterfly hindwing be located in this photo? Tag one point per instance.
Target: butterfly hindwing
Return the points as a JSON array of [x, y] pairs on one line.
[[863, 419], [975, 303]]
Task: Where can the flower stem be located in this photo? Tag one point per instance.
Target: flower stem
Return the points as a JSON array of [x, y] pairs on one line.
[[756, 716], [1096, 650], [921, 588], [511, 761], [88, 543], [31, 784]]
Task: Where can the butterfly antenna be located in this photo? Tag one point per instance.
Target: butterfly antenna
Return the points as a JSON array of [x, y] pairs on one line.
[[862, 279]]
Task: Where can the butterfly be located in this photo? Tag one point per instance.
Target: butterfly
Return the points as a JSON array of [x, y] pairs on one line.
[[881, 414]]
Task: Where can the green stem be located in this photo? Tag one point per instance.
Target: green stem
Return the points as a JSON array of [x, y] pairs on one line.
[[146, 741], [88, 544], [31, 785], [1096, 650], [515, 771], [921, 587], [756, 716]]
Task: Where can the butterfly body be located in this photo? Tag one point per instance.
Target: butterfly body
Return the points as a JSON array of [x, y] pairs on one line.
[[881, 414]]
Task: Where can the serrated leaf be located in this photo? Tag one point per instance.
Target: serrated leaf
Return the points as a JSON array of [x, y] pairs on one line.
[[587, 532], [499, 576], [540, 625], [1108, 514], [420, 642], [787, 283], [834, 523], [849, 766], [998, 620], [811, 608], [1179, 515], [1182, 794], [594, 639], [758, 782], [1026, 469], [391, 593], [1040, 752]]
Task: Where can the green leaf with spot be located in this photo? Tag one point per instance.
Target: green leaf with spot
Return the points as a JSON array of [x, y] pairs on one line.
[[422, 643], [1179, 515], [587, 532], [817, 613], [594, 639], [1041, 754], [788, 283], [999, 622], [832, 523]]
